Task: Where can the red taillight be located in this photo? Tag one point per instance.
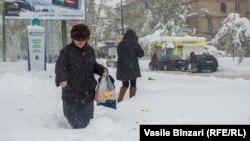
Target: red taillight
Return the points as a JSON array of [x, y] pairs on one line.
[[70, 1]]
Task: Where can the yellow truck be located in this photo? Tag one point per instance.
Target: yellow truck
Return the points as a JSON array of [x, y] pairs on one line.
[[181, 46]]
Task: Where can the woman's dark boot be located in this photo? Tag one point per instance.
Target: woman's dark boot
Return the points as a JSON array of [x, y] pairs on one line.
[[132, 92], [122, 93]]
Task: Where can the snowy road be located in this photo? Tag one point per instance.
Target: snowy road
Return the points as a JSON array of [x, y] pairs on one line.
[[228, 68], [206, 74]]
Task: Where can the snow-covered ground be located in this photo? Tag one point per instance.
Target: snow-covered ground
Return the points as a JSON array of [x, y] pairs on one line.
[[31, 106]]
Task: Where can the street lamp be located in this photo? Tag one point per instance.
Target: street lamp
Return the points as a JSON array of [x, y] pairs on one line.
[[122, 18]]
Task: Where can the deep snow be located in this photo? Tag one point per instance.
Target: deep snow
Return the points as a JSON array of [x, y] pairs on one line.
[[31, 106]]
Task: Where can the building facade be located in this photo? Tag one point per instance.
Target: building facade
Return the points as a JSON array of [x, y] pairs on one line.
[[206, 15]]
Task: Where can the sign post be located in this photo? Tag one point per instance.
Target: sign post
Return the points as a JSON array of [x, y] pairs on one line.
[[36, 49]]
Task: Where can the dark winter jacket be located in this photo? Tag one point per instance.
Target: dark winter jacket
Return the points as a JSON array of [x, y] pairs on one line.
[[128, 51], [77, 66]]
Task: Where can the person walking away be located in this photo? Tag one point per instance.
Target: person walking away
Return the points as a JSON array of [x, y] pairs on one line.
[[154, 61], [193, 62], [75, 69], [128, 70]]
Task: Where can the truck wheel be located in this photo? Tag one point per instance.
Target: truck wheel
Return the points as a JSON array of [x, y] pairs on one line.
[[214, 69]]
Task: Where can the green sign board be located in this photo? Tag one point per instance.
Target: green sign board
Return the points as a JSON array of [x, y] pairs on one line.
[[36, 21]]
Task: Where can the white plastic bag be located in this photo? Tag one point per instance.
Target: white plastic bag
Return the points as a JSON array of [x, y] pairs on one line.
[[105, 92]]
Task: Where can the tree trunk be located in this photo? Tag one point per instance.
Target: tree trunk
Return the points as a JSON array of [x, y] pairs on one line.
[[64, 33], [4, 35]]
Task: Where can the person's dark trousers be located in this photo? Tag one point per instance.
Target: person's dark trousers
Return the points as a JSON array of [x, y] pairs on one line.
[[78, 115], [154, 67]]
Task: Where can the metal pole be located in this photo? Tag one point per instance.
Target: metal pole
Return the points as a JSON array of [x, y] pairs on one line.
[[122, 18], [46, 40], [52, 43], [85, 11], [64, 33], [4, 34]]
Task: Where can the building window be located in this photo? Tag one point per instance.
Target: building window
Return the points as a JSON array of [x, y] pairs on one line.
[[237, 7], [223, 7]]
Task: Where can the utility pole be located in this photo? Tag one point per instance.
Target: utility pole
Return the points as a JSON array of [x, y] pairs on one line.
[[4, 33], [64, 33], [122, 18]]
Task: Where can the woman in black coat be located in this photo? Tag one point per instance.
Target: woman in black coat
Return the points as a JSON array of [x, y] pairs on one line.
[[128, 69], [75, 69], [193, 62]]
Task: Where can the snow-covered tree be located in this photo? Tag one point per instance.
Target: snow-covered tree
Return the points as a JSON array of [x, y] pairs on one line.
[[145, 17], [152, 15], [16, 39], [170, 16], [151, 18], [234, 34], [102, 18]]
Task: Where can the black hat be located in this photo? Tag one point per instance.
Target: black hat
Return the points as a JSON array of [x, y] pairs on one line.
[[80, 32]]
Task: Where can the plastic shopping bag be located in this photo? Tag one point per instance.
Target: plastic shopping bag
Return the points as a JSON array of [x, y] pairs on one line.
[[105, 93]]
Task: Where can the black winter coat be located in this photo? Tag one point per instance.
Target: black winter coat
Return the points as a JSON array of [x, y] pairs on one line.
[[77, 66], [128, 51]]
